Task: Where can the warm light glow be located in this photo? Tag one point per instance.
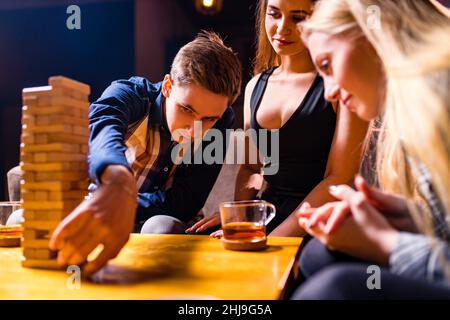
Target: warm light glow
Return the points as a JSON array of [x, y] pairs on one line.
[[208, 3]]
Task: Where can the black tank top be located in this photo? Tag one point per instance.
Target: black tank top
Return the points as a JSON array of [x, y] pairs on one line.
[[304, 140]]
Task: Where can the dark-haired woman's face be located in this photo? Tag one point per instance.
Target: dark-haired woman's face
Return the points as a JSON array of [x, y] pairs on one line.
[[351, 70], [282, 22]]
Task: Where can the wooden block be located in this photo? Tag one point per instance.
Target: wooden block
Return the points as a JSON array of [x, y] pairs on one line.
[[41, 138], [27, 139], [80, 185], [46, 157], [36, 92], [61, 119], [54, 128], [41, 264], [44, 254], [41, 195], [83, 131], [28, 176], [50, 186], [40, 225], [32, 109], [26, 158], [45, 215], [52, 101], [42, 120], [30, 234], [50, 205], [69, 195], [60, 81], [51, 167], [39, 243], [50, 138], [60, 176], [52, 147], [28, 120]]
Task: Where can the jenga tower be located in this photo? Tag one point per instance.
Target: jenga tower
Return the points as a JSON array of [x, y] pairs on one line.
[[55, 132]]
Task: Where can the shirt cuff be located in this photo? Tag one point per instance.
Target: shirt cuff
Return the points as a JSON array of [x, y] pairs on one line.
[[99, 163]]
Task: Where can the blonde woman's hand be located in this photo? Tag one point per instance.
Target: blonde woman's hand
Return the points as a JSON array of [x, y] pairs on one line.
[[365, 233]]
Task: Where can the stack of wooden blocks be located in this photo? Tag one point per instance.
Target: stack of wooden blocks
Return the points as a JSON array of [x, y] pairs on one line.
[[55, 133]]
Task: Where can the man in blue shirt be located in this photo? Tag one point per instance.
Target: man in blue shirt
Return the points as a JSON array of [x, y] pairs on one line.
[[135, 127]]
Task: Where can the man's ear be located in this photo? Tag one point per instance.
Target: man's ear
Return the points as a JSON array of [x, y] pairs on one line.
[[167, 85]]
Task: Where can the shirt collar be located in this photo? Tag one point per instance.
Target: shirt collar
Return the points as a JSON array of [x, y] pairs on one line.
[[157, 114]]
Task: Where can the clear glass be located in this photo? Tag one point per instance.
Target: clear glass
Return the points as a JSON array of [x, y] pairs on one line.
[[244, 224], [6, 209]]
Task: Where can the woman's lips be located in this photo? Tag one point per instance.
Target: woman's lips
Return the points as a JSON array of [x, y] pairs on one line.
[[346, 102], [281, 42]]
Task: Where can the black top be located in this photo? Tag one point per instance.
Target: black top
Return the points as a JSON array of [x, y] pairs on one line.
[[304, 140]]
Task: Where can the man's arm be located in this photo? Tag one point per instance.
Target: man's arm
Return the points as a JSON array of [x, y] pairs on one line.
[[108, 217], [123, 103], [191, 185]]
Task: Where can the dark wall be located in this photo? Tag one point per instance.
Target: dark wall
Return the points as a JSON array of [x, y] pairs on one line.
[[36, 44], [118, 38]]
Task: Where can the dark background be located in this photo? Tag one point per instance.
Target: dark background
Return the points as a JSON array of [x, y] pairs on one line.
[[118, 39]]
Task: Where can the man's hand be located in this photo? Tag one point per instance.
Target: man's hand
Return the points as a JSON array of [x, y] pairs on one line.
[[205, 223], [107, 218]]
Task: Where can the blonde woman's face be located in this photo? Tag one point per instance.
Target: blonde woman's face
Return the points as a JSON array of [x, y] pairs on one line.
[[351, 70], [282, 22]]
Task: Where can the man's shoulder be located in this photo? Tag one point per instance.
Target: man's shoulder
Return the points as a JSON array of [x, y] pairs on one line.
[[141, 86]]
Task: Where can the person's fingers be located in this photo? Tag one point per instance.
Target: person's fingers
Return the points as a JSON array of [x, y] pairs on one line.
[[305, 206], [305, 224], [305, 213], [372, 194], [214, 221], [72, 224], [197, 225], [342, 192], [110, 250], [217, 234], [321, 214], [82, 248], [340, 212]]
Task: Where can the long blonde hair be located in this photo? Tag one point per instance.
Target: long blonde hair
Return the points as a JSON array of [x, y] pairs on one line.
[[412, 40]]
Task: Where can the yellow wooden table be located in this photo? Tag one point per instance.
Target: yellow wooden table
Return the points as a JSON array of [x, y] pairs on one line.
[[163, 267]]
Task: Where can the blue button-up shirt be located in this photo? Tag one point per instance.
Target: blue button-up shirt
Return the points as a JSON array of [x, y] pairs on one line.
[[129, 128]]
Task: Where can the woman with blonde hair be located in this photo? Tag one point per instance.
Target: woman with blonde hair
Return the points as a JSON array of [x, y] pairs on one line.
[[319, 143], [387, 59]]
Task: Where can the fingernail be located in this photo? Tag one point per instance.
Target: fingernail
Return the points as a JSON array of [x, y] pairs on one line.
[[303, 221], [308, 224], [332, 189]]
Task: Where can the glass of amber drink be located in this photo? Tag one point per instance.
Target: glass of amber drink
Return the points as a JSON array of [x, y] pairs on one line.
[[244, 224]]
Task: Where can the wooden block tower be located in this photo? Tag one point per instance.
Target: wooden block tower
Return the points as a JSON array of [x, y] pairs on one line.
[[55, 133]]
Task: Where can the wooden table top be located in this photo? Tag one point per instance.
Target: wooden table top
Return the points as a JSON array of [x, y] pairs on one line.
[[162, 267]]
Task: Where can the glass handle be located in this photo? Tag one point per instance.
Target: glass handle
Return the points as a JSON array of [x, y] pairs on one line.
[[272, 213]]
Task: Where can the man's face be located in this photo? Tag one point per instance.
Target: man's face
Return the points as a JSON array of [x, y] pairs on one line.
[[190, 103]]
